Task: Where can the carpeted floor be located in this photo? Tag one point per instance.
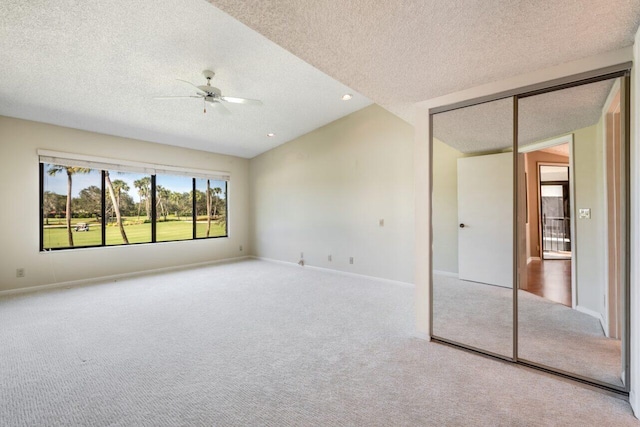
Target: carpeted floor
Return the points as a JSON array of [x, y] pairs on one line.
[[259, 343], [550, 333]]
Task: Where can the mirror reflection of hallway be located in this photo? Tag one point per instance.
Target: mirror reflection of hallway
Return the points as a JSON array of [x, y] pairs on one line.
[[572, 247], [548, 221]]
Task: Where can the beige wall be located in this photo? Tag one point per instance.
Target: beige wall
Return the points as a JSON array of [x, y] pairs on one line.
[[445, 207], [324, 193], [590, 239], [19, 141]]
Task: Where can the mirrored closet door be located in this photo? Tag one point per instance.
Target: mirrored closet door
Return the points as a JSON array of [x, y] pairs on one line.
[[472, 211], [529, 227], [571, 301]]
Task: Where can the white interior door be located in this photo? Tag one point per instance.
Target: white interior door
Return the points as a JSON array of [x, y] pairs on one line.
[[485, 217]]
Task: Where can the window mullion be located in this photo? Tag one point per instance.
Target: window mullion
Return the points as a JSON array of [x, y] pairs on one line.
[[193, 208], [103, 212], [153, 209]]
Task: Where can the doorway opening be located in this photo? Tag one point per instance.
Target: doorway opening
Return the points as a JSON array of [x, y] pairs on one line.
[[555, 212], [550, 270]]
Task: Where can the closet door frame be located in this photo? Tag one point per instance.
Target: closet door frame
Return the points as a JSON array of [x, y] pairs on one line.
[[621, 71]]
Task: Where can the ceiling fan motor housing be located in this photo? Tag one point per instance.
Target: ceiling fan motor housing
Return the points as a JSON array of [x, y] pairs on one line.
[[212, 92]]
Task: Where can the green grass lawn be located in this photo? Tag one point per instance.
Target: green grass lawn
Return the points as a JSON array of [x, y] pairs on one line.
[[56, 237]]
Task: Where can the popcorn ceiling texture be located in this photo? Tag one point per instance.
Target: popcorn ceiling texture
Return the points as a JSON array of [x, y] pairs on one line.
[[398, 53], [96, 65]]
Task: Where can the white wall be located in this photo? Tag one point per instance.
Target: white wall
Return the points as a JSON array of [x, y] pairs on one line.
[[19, 186], [324, 193]]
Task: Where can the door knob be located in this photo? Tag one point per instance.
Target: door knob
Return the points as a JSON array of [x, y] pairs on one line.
[[461, 225]]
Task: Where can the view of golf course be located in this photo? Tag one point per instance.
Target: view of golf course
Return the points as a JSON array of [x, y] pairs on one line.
[[128, 214]]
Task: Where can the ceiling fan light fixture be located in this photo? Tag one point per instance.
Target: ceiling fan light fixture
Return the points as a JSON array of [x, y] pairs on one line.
[[212, 95], [346, 97]]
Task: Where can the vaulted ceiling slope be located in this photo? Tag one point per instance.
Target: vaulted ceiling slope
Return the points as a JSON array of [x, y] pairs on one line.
[[401, 52], [96, 65]]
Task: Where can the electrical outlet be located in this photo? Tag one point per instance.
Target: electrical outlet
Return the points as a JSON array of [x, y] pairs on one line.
[[20, 272], [330, 259], [350, 260], [240, 248], [381, 222], [584, 213]]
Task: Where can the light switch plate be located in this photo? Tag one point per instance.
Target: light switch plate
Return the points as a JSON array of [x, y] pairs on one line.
[[584, 214]]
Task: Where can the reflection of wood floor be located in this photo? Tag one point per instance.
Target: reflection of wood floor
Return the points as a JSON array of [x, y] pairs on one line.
[[550, 279]]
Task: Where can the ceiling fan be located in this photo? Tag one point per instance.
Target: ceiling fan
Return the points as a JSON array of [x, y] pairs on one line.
[[212, 95]]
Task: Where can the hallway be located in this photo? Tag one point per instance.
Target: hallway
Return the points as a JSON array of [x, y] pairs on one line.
[[550, 279]]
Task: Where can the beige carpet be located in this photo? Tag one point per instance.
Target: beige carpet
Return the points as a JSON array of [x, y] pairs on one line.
[[549, 333], [255, 343]]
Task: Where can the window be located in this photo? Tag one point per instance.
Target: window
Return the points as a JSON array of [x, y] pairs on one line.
[[174, 218], [71, 206], [211, 208], [95, 202], [129, 219]]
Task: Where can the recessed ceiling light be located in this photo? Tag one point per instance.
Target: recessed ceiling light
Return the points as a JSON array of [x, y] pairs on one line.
[[271, 134], [347, 96]]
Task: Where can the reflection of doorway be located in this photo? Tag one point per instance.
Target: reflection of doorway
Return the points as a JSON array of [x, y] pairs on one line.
[[548, 227], [555, 212]]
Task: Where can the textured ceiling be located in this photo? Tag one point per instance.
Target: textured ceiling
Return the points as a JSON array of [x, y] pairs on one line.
[[556, 113], [479, 128], [96, 65], [489, 126], [401, 52]]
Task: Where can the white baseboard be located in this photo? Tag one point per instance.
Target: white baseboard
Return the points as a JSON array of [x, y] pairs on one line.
[[592, 313], [635, 403], [113, 277], [445, 273], [422, 335], [344, 273], [533, 258]]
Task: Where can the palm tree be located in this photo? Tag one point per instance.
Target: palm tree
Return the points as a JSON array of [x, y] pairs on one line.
[[163, 196], [53, 171], [216, 192], [116, 202], [119, 186], [143, 185]]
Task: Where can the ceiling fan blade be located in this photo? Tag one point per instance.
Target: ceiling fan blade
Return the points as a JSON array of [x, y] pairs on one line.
[[235, 100], [191, 84], [221, 108], [176, 97]]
